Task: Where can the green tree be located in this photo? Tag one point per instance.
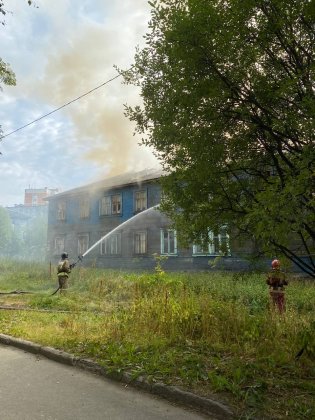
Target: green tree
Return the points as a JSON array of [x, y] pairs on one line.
[[29, 241], [7, 77], [6, 231], [35, 239], [228, 105], [6, 74]]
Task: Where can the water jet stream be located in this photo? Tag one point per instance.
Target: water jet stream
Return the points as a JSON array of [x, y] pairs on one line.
[[116, 228]]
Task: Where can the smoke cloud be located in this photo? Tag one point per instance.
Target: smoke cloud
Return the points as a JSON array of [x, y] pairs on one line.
[[60, 50], [82, 57]]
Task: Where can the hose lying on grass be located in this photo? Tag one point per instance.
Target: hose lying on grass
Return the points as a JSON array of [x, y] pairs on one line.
[[16, 292]]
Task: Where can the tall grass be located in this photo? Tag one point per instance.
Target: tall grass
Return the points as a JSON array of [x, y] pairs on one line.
[[208, 332]]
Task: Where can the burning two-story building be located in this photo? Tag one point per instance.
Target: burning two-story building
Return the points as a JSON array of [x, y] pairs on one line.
[[127, 206]]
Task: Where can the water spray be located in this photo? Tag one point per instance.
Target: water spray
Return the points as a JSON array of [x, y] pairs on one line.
[[80, 257], [116, 228]]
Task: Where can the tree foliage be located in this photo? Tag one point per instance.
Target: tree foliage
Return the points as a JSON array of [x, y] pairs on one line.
[[34, 243], [25, 241], [228, 105], [6, 74]]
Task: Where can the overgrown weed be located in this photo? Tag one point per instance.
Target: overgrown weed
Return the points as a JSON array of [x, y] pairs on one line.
[[207, 332]]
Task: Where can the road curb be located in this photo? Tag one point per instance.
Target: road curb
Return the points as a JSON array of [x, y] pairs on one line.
[[208, 406]]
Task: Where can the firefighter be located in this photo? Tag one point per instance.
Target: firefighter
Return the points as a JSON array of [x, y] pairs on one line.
[[63, 271], [276, 281]]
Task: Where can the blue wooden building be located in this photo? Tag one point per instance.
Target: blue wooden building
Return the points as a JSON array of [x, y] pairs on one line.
[[123, 210]]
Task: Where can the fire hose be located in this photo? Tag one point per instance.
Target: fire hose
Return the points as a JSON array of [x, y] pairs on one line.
[[24, 292]]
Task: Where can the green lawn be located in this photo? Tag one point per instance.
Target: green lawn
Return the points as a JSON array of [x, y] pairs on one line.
[[205, 332]]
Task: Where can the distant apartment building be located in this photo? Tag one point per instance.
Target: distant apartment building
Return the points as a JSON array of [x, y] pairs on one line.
[[37, 196], [34, 206]]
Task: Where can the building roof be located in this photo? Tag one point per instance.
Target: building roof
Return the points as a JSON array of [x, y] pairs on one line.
[[125, 179]]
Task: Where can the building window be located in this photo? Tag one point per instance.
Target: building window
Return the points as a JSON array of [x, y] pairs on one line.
[[110, 204], [140, 200], [105, 206], [168, 242], [84, 206], [61, 210], [140, 242], [111, 245], [83, 243], [59, 245], [116, 204], [218, 244]]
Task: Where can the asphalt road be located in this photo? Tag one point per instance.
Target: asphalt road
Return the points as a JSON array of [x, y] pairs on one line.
[[35, 388]]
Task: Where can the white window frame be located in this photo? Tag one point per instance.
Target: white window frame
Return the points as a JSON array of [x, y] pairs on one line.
[[105, 206], [170, 247], [140, 200], [110, 205], [214, 245], [82, 248], [111, 245], [140, 242]]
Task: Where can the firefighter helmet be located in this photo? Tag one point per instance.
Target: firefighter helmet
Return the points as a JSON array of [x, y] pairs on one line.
[[275, 264], [64, 255]]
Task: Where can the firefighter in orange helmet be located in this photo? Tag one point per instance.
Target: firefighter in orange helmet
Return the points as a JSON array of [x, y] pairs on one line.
[[276, 281]]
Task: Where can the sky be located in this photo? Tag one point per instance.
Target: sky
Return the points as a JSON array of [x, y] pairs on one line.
[[60, 50]]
